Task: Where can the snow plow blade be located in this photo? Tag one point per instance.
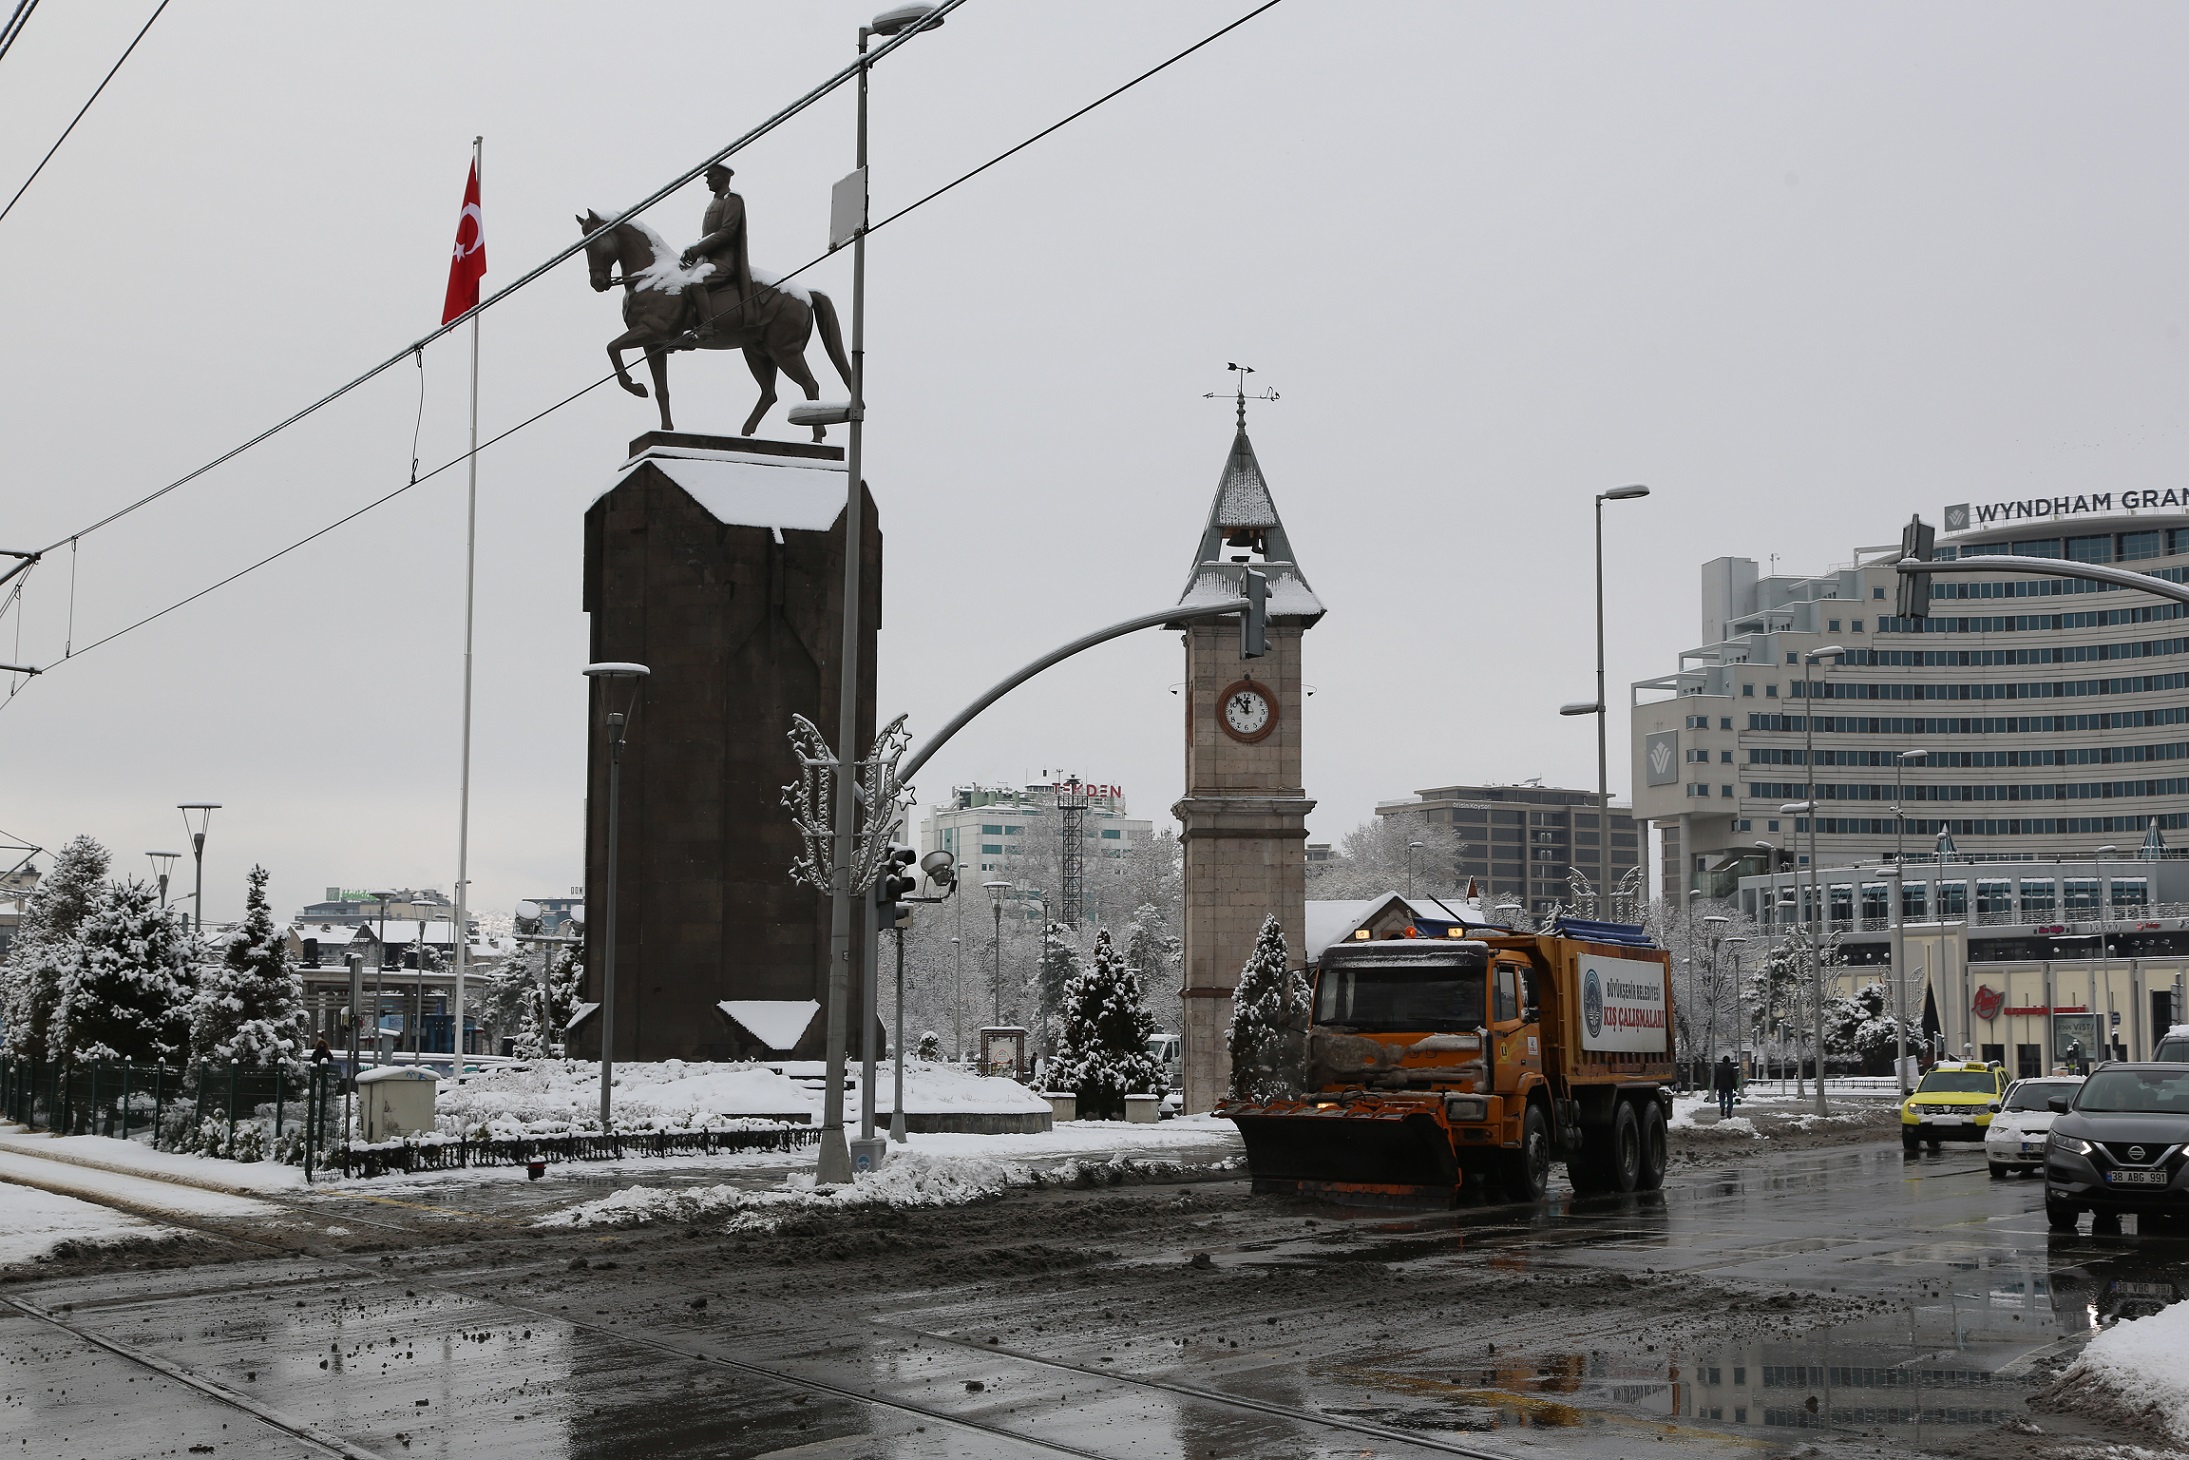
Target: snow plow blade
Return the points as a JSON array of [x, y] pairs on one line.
[[1396, 1150]]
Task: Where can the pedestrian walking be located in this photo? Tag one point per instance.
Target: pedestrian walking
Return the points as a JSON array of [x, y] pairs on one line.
[[1725, 1080], [320, 1053]]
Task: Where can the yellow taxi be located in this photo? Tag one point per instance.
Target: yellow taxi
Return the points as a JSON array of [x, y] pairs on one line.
[[1955, 1101]]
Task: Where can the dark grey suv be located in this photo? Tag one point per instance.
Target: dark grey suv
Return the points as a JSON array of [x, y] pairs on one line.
[[2122, 1145]]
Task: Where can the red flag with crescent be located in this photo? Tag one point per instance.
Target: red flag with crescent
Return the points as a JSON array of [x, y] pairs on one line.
[[467, 266]]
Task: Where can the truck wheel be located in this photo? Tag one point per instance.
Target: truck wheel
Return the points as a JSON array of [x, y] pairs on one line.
[[1624, 1167], [1527, 1171], [1653, 1148]]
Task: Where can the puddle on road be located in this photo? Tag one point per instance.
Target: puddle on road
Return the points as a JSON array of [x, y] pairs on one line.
[[1959, 1358]]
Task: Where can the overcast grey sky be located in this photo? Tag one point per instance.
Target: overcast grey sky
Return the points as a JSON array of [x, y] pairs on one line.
[[1801, 268]]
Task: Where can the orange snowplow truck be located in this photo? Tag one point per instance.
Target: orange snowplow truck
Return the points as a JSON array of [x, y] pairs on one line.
[[1435, 1064]]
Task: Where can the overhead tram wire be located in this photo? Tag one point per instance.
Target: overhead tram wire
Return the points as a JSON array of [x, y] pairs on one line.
[[41, 167], [420, 480], [14, 27], [538, 272]]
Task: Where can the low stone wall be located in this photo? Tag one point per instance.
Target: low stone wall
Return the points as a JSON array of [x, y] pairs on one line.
[[976, 1123]]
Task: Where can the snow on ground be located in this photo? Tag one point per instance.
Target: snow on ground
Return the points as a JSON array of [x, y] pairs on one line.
[[33, 1223], [555, 1096], [138, 1157], [2140, 1362], [141, 1193], [910, 1178]]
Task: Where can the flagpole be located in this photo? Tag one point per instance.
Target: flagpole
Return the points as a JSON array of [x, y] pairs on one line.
[[471, 563]]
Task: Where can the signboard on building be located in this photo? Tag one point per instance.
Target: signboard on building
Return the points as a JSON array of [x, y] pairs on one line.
[[1970, 516], [1623, 1005], [1661, 758]]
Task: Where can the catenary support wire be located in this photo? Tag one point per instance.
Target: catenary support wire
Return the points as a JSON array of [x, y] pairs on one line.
[[41, 167], [417, 480]]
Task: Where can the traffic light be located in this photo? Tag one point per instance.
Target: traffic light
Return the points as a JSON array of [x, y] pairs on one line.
[[1914, 595], [1254, 623], [896, 884]]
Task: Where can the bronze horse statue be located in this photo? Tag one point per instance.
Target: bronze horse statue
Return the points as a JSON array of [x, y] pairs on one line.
[[659, 318]]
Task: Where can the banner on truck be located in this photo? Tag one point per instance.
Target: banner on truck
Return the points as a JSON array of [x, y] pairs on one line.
[[1623, 1005]]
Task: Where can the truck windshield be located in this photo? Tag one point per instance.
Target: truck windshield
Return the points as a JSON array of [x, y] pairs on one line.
[[1429, 999]]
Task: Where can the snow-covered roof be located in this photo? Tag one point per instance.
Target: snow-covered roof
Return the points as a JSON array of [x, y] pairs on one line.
[[1333, 920], [746, 489], [1289, 595], [1244, 511], [777, 1023], [395, 1072]]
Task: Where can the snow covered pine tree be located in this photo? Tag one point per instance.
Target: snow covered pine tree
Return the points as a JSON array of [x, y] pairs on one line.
[[126, 992], [1102, 1053], [1269, 1011], [45, 944], [249, 1008]]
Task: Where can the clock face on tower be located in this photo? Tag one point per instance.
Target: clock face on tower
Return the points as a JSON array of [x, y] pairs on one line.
[[1247, 711]]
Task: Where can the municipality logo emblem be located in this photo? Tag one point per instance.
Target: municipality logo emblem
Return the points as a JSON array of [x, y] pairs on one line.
[[1660, 758], [1592, 1003]]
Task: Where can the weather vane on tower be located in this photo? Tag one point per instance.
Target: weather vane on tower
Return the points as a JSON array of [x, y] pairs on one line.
[[1242, 371]]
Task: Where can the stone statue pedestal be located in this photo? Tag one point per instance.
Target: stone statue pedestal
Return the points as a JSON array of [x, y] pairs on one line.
[[716, 561]]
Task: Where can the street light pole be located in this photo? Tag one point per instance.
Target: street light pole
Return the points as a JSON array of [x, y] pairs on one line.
[[163, 866], [1603, 710], [1411, 848], [1716, 923], [996, 890], [1816, 909], [834, 1165], [1900, 942], [379, 972], [204, 818], [611, 675], [2105, 953]]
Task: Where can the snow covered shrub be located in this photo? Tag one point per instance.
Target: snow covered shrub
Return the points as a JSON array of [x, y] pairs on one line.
[[45, 943], [251, 1142], [125, 992], [1102, 1052], [930, 1047], [1268, 1038], [249, 1006]]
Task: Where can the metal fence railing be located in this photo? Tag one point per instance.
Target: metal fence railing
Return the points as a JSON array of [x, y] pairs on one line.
[[447, 1153], [212, 1109]]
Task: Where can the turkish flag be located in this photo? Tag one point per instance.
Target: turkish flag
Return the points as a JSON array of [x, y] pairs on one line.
[[467, 266]]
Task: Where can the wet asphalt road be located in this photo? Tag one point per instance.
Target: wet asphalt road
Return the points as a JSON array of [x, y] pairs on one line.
[[1840, 1297]]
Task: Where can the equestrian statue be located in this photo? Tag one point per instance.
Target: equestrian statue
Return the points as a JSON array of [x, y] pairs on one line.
[[708, 298]]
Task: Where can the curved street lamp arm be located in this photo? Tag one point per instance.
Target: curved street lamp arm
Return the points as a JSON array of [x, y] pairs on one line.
[[2051, 568], [1057, 656]]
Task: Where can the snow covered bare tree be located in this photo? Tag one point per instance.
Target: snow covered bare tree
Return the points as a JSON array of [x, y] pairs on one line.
[[126, 993], [1102, 1049], [45, 943], [249, 1006], [1268, 1038], [1157, 954], [1375, 857]]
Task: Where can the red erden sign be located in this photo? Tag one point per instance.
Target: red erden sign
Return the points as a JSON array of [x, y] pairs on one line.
[[1987, 1002]]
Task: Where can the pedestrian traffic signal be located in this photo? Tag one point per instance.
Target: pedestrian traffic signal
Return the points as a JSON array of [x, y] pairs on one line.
[[1914, 595]]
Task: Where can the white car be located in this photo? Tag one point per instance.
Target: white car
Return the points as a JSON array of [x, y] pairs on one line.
[[2015, 1140]]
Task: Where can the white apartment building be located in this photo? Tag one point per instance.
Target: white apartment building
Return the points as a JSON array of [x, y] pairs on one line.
[[2053, 712], [993, 831]]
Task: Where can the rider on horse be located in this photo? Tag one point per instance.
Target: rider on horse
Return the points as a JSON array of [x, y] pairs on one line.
[[723, 245]]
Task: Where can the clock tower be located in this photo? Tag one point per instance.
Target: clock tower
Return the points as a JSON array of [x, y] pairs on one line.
[[1244, 813]]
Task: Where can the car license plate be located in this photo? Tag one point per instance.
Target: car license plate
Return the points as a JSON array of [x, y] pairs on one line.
[[2032, 1147], [1945, 1120], [2136, 1178]]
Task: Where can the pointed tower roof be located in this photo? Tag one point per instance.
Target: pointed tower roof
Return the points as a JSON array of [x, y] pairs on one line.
[[2154, 842], [1245, 531]]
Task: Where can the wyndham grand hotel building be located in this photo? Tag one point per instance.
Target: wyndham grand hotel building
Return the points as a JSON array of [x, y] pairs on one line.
[[2054, 711]]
